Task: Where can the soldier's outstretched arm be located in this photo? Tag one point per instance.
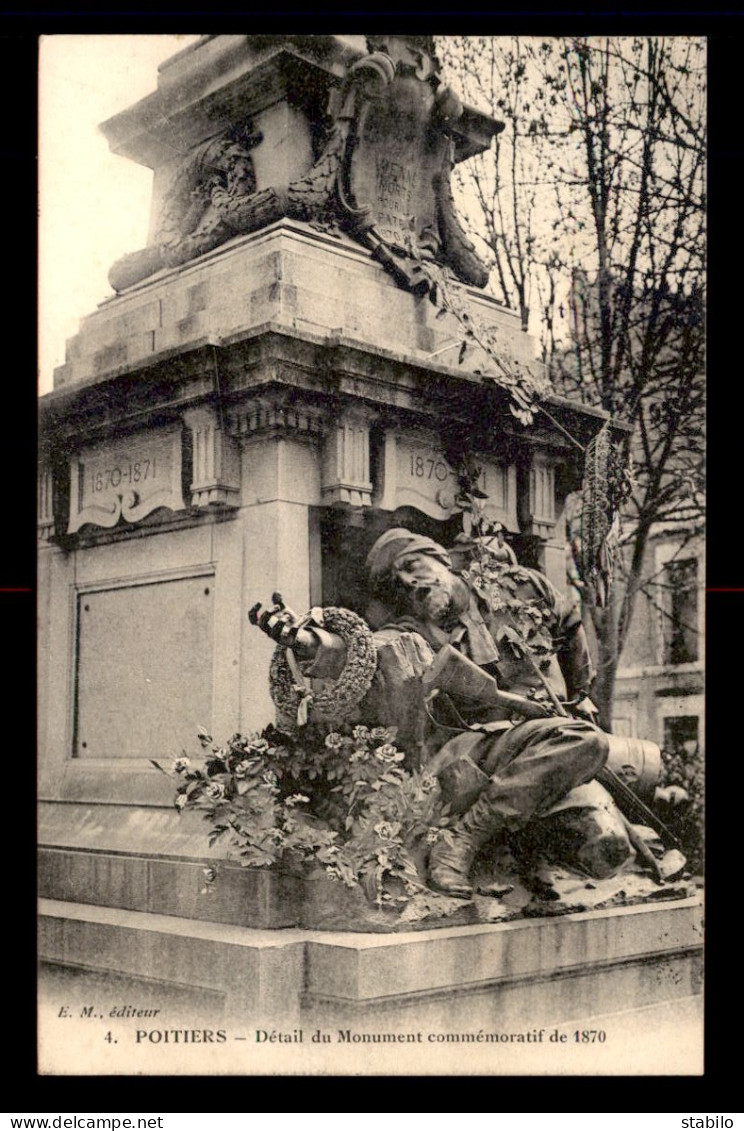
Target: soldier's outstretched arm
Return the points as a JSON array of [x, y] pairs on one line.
[[307, 640]]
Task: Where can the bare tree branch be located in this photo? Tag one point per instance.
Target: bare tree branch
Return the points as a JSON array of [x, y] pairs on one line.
[[592, 204]]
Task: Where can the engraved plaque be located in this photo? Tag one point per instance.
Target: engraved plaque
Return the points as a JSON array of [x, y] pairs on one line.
[[126, 479], [144, 669], [416, 474]]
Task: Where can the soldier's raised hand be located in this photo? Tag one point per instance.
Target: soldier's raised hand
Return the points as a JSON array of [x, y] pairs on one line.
[[284, 626], [278, 622]]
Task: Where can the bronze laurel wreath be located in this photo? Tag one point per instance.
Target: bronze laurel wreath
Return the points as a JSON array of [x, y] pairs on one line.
[[336, 702]]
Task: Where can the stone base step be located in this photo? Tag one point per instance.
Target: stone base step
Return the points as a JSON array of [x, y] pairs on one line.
[[539, 971]]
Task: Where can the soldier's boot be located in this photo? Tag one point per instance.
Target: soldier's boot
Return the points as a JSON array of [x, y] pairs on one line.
[[449, 865]]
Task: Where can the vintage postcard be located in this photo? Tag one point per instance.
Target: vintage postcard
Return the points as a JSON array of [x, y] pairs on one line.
[[371, 554]]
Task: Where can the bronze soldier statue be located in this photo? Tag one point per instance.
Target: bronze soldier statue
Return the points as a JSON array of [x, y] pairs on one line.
[[512, 763]]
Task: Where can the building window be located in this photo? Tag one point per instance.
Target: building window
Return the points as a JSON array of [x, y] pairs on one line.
[[680, 620], [681, 735]]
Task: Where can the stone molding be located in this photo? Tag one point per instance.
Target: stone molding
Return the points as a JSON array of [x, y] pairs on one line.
[[548, 971], [290, 279], [215, 478], [540, 519], [345, 471], [412, 469]]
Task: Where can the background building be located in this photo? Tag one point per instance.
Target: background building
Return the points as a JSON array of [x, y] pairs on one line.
[[660, 680]]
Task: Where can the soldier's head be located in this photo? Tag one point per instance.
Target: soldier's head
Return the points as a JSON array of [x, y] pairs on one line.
[[413, 574]]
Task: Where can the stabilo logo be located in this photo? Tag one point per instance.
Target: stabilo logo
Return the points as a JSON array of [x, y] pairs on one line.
[[708, 1121]]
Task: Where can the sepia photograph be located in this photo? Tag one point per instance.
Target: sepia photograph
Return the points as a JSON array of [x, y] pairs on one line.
[[371, 554]]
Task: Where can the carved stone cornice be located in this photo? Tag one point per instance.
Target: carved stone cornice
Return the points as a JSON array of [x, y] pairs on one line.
[[278, 416], [203, 89]]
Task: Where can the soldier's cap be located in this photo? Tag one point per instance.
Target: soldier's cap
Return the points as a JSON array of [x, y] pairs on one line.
[[394, 543]]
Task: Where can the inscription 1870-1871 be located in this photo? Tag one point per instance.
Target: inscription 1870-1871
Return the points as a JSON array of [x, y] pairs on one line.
[[124, 472], [125, 479]]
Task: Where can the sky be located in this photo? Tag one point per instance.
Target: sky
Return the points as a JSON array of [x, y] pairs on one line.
[[93, 205]]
